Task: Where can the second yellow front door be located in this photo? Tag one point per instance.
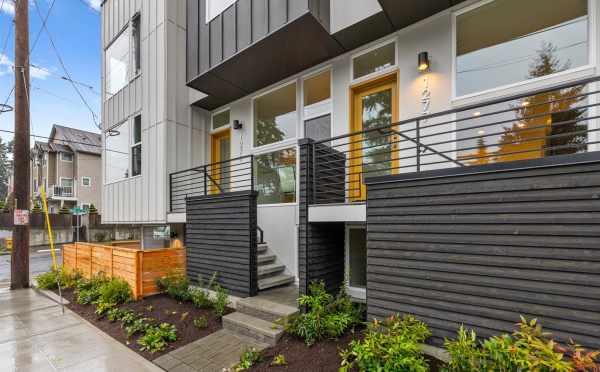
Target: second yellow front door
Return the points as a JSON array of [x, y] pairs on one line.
[[219, 170]]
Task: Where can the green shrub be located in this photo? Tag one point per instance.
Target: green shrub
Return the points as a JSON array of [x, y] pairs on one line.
[[92, 209], [36, 208], [527, 349], [88, 291], [249, 358], [221, 300], [115, 314], [200, 296], [157, 338], [175, 285], [115, 291], [392, 345], [50, 279], [201, 322], [326, 316]]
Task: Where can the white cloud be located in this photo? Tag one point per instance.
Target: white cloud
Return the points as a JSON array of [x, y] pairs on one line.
[[8, 7], [95, 4], [6, 67]]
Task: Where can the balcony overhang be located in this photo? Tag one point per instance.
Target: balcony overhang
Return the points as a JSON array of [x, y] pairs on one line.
[[296, 46], [406, 12]]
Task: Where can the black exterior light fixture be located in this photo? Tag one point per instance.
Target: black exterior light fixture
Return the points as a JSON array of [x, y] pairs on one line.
[[237, 125], [423, 62]]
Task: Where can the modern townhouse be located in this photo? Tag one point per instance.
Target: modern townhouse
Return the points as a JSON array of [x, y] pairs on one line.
[[438, 158], [69, 167]]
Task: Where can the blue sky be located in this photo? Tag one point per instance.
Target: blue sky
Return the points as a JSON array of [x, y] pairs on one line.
[[75, 28]]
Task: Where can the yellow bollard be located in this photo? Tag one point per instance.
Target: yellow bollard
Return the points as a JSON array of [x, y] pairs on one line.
[[50, 237]]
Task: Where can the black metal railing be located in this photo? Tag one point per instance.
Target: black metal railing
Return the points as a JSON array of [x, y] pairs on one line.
[[211, 179], [560, 120]]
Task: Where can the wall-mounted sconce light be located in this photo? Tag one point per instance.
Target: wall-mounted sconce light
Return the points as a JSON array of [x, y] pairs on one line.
[[423, 61], [237, 125]]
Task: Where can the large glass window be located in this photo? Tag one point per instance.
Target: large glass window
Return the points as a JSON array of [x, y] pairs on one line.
[[508, 41], [317, 106], [117, 153], [275, 116], [276, 176], [117, 64], [374, 61]]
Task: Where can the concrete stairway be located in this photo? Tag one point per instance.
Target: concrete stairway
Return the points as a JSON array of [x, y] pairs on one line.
[[255, 319], [271, 273]]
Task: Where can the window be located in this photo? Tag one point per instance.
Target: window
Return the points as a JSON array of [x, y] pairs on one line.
[[220, 120], [45, 158], [216, 7], [317, 106], [117, 153], [508, 41], [66, 182], [117, 64], [374, 61], [276, 177], [86, 181], [275, 116], [136, 148], [65, 156], [135, 36]]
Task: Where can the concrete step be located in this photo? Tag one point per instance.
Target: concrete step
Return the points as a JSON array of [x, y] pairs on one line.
[[262, 248], [269, 269], [265, 309], [255, 328], [275, 281], [265, 258]]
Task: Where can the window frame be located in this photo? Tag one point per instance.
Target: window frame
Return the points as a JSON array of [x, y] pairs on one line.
[[224, 127], [387, 70], [62, 157], [524, 85], [105, 158], [89, 179], [133, 145], [283, 143], [136, 50]]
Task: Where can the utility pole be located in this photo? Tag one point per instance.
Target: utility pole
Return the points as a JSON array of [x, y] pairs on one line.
[[20, 252]]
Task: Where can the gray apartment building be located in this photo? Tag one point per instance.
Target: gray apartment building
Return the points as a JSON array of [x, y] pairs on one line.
[[437, 157], [69, 167]]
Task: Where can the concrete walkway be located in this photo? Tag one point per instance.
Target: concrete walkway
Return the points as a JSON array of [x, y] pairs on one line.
[[36, 336]]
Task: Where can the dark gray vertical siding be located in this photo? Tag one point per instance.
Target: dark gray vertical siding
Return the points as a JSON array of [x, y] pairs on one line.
[[244, 24], [192, 39], [277, 14], [482, 245], [229, 32], [259, 19], [320, 246], [221, 237], [203, 39], [216, 41]]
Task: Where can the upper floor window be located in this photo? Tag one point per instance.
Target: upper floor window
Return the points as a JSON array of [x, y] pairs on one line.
[[65, 156], [317, 106], [275, 117], [117, 153], [136, 148], [221, 119], [374, 61], [136, 43], [507, 41], [117, 64], [86, 181], [216, 7]]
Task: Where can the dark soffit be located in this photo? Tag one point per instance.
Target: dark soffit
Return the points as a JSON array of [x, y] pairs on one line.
[[403, 13]]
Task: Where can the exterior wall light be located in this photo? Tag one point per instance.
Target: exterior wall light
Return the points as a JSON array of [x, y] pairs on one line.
[[237, 125], [423, 61]]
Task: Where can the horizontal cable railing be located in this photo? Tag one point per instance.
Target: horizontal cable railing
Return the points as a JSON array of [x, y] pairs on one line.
[[560, 120], [211, 179]]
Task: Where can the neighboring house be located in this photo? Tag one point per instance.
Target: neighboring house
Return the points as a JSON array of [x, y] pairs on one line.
[[68, 166], [434, 93]]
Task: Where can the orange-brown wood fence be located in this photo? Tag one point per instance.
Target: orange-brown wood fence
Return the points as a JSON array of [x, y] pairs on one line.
[[124, 260]]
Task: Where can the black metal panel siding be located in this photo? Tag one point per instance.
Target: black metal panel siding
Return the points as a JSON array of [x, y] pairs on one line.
[[320, 246], [479, 246], [221, 237]]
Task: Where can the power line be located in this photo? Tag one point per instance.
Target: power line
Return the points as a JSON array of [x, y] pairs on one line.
[[62, 77], [37, 7]]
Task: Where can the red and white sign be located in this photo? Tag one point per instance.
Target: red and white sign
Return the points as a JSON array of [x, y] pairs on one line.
[[21, 217]]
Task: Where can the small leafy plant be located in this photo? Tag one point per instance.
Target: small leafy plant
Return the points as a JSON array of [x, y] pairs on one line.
[[175, 285], [326, 316], [279, 360], [200, 296], [201, 322], [527, 349], [392, 345], [50, 279], [249, 358], [88, 291], [156, 339], [139, 325], [221, 300]]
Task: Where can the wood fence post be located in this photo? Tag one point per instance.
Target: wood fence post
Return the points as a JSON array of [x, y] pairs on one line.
[[112, 262]]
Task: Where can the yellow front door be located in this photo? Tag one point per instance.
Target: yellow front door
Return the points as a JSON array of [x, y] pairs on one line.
[[375, 153], [218, 179]]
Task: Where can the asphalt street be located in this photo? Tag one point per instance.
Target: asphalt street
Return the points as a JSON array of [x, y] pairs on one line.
[[40, 261]]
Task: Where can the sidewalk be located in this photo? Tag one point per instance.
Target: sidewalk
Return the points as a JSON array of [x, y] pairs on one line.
[[36, 336]]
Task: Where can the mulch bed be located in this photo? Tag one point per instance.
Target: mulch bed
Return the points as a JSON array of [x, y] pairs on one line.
[[160, 307], [323, 356]]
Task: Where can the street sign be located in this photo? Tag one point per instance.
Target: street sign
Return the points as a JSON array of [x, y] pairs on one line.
[[21, 217], [78, 211]]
